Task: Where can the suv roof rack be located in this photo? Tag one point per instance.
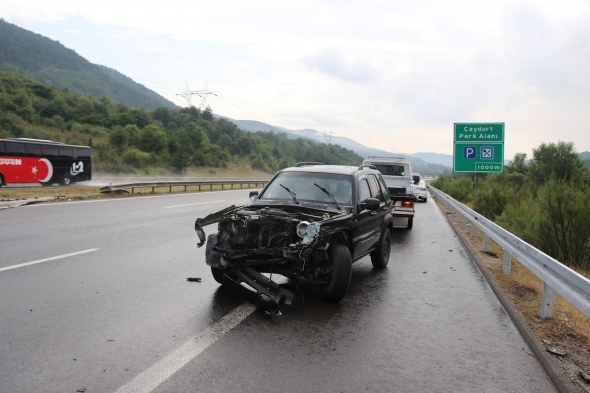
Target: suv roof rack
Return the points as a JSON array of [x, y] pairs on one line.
[[308, 163], [370, 166]]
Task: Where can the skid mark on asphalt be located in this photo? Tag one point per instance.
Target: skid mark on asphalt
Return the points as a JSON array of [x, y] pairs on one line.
[[48, 259], [161, 371]]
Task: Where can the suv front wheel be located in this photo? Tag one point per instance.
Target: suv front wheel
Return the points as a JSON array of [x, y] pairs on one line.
[[341, 261]]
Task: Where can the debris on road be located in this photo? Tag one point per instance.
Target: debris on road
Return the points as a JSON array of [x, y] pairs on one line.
[[556, 351], [195, 279]]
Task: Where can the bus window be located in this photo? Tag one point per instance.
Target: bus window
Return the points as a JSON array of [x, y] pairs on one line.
[[2, 148], [33, 150], [65, 152], [49, 151], [15, 148]]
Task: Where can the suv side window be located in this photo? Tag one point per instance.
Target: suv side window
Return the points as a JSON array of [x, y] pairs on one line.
[[364, 191], [375, 190]]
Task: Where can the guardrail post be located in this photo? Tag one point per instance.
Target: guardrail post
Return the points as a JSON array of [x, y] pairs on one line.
[[486, 242], [507, 267], [473, 230], [464, 222], [547, 306]]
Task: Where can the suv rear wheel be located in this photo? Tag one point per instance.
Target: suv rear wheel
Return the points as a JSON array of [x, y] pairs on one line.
[[341, 261], [380, 257]]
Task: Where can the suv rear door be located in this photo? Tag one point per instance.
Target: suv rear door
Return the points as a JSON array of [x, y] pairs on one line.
[[367, 232]]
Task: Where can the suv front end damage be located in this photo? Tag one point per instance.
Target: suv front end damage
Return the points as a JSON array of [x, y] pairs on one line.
[[254, 244]]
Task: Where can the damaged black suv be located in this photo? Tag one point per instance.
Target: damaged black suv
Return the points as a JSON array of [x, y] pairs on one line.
[[309, 224]]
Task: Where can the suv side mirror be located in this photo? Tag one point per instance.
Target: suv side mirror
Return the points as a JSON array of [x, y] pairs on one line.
[[253, 196], [371, 204]]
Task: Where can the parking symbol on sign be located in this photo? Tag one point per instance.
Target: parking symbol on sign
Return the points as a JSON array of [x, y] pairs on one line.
[[469, 152], [487, 152]]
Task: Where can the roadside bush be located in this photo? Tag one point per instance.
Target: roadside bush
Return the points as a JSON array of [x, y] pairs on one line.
[[460, 188], [563, 229], [496, 191], [136, 158], [521, 216], [490, 199]]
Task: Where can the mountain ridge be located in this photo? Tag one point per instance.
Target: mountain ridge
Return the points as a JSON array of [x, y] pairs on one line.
[[420, 161], [51, 63]]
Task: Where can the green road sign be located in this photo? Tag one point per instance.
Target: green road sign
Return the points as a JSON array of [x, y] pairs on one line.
[[478, 147]]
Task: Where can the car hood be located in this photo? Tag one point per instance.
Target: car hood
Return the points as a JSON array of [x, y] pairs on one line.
[[325, 215]]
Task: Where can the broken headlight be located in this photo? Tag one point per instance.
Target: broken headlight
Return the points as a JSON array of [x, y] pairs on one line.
[[302, 229]]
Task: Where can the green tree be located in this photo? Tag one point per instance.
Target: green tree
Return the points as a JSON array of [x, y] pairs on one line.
[[152, 139], [559, 161], [119, 138], [564, 227], [518, 163], [208, 114]]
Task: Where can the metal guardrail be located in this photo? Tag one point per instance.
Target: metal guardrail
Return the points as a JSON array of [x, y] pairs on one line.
[[199, 184], [556, 277]]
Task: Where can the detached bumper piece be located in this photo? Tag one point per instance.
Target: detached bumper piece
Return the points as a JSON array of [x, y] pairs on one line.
[[256, 288]]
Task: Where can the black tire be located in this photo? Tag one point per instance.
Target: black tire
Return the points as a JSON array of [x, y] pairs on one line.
[[410, 222], [380, 257], [341, 261], [1, 180], [210, 253], [425, 200], [217, 274], [66, 180]]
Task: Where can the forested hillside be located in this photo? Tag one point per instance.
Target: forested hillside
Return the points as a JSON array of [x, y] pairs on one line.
[[126, 140], [49, 62]]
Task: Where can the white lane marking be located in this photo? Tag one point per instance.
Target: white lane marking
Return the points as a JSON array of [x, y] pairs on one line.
[[193, 204], [161, 371], [130, 198], [48, 259]]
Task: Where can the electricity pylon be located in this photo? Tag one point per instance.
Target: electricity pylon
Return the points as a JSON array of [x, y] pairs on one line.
[[187, 94]]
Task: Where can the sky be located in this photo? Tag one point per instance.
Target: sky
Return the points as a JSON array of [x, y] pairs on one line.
[[389, 74]]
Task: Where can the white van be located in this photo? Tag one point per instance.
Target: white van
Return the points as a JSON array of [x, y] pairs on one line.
[[397, 173]]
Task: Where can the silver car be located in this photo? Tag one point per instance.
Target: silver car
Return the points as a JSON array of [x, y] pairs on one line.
[[420, 191]]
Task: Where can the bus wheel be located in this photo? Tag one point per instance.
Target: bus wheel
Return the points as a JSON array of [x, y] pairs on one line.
[[1, 180], [66, 180]]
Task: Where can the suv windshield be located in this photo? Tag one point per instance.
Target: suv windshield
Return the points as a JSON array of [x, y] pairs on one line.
[[302, 185]]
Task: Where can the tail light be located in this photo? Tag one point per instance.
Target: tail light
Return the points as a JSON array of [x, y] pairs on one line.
[[407, 203]]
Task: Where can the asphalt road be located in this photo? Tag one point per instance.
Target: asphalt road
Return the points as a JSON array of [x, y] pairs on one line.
[[94, 298]]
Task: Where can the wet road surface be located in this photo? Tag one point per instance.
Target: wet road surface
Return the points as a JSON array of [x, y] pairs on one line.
[[124, 318]]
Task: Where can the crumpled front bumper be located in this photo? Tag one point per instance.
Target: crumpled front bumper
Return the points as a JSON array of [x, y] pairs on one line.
[[256, 288]]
